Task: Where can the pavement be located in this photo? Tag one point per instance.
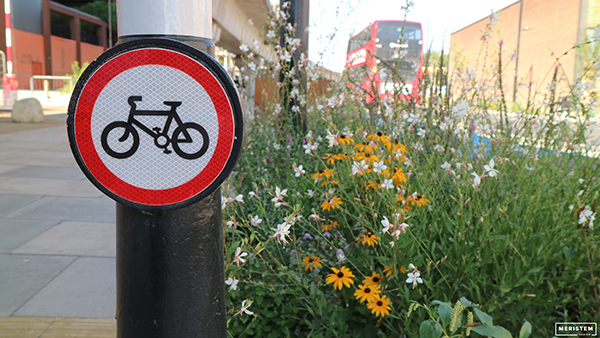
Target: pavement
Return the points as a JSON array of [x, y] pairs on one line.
[[57, 237]]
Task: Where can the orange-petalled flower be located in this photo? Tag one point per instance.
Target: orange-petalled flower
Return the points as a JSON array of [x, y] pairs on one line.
[[418, 199], [329, 226], [378, 137], [312, 262], [367, 292], [374, 279], [399, 176], [343, 139], [387, 270], [380, 306], [366, 147], [372, 184], [331, 203], [340, 277], [368, 239], [330, 158]]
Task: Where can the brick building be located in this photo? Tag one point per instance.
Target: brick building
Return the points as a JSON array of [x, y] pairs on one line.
[[48, 37], [530, 34]]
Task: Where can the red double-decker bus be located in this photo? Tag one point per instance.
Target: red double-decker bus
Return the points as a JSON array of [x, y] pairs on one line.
[[386, 59]]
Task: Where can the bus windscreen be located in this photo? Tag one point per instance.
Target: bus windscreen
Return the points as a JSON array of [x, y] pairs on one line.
[[398, 45]]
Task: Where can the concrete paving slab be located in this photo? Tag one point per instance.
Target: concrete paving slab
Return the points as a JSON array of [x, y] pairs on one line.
[[23, 276], [16, 232], [68, 209], [46, 172], [8, 167], [10, 202], [48, 187], [36, 157], [87, 289], [74, 239]]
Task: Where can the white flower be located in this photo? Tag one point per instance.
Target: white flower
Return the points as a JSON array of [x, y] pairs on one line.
[[461, 109], [446, 165], [271, 34], [250, 22], [239, 198], [232, 282], [388, 184], [332, 138], [379, 167], [386, 225], [309, 147], [245, 305], [414, 278], [421, 133], [244, 47], [438, 148], [282, 230], [239, 256], [299, 171], [359, 168], [310, 193], [252, 194], [403, 227], [490, 168], [476, 180], [255, 220]]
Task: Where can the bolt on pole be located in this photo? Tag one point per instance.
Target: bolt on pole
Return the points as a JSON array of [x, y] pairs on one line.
[[170, 265]]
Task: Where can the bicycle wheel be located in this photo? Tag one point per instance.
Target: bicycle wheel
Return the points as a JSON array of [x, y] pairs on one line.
[[190, 132], [120, 139]]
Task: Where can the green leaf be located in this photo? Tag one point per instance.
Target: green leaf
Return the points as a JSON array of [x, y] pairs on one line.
[[465, 301], [445, 312], [525, 330], [370, 331], [484, 317], [489, 330], [430, 329]]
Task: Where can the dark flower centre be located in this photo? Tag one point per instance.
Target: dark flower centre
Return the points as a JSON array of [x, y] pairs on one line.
[[311, 260], [343, 136], [379, 133], [418, 197], [379, 303], [376, 279], [340, 274], [320, 171], [367, 290]]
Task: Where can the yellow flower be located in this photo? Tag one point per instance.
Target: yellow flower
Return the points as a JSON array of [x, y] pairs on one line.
[[372, 184], [343, 139], [387, 270], [330, 158], [368, 239], [317, 176], [399, 176], [374, 279], [402, 269], [366, 147], [340, 277], [340, 157], [332, 203], [418, 199], [330, 225], [379, 137], [367, 292], [311, 262], [380, 306]]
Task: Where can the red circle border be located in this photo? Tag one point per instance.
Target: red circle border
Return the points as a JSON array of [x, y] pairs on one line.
[[153, 56]]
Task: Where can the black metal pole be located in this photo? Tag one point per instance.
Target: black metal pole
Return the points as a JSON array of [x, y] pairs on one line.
[[170, 272]]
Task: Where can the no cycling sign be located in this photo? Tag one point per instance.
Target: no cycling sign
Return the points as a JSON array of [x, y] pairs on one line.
[[155, 124]]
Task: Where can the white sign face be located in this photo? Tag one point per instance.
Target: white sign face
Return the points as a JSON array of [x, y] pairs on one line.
[[153, 127], [160, 166]]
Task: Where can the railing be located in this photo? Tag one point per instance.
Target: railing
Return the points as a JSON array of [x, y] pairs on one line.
[[58, 82]]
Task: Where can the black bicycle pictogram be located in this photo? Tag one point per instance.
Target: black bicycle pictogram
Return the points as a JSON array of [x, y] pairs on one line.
[[161, 138]]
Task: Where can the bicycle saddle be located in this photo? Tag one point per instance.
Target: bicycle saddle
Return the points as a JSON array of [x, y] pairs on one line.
[[173, 104]]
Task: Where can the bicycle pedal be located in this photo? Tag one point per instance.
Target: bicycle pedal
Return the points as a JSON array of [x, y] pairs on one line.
[[167, 151], [156, 129]]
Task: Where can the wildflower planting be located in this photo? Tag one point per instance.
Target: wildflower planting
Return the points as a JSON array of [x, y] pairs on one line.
[[442, 217]]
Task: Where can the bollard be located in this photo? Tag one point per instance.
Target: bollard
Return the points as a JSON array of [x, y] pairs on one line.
[[47, 88], [170, 264]]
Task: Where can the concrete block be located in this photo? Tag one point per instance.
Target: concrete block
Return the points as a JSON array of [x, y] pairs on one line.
[[28, 111]]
